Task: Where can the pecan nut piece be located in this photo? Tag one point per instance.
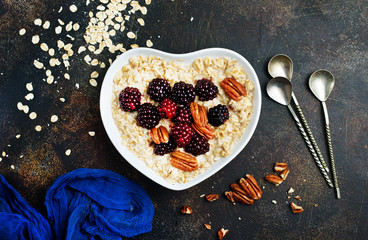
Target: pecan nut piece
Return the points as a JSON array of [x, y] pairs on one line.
[[233, 88], [295, 208], [222, 232], [207, 226], [229, 195], [186, 210], [212, 197], [199, 114], [284, 174], [159, 135], [183, 161], [274, 179], [248, 189], [254, 184], [279, 167], [204, 130], [239, 195]]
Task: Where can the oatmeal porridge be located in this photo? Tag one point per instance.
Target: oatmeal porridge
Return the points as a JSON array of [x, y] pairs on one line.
[[140, 72]]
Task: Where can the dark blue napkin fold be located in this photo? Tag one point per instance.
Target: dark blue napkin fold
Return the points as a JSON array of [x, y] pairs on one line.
[[83, 204]]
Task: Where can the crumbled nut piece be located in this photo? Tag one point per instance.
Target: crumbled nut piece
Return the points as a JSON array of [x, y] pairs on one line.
[[298, 198], [274, 179], [22, 31], [12, 166], [54, 118], [207, 226], [38, 128], [212, 197], [32, 115], [29, 87], [187, 210], [68, 152], [229, 195], [284, 174], [295, 208], [291, 190], [35, 39], [222, 232], [18, 136], [73, 8], [67, 76], [274, 201], [37, 22]]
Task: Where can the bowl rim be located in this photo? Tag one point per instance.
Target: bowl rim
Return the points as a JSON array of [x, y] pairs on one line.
[[114, 134]]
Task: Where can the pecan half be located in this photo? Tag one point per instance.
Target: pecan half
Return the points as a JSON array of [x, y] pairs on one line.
[[239, 195], [274, 179], [204, 130], [159, 135], [280, 167], [254, 184], [186, 210], [295, 208], [229, 195], [222, 232], [212, 197], [183, 161], [236, 188], [284, 174], [233, 88]]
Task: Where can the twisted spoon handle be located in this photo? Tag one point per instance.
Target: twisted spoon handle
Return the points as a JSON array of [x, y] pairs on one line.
[[310, 147], [310, 134], [329, 142]]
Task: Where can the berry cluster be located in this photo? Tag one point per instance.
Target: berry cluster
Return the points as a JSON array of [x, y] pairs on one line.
[[173, 104]]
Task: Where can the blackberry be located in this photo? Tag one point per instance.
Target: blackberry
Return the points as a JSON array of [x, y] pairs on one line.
[[159, 89], [129, 99], [183, 115], [164, 148], [206, 89], [182, 133], [167, 108], [218, 115], [183, 93], [198, 145], [148, 116]]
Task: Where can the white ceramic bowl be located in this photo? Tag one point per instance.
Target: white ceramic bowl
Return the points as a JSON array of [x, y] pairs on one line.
[[187, 58]]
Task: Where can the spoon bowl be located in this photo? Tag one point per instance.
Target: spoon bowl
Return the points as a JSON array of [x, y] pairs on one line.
[[321, 82], [280, 89], [281, 65]]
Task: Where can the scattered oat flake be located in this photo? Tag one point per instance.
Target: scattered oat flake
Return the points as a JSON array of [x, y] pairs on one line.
[[18, 136], [148, 2], [92, 133], [50, 79], [12, 167], [87, 59], [62, 99], [149, 43], [68, 152], [38, 128], [54, 118], [73, 8], [102, 65], [25, 109], [35, 39], [140, 21], [37, 22], [67, 76], [46, 25], [51, 52], [94, 74], [29, 96], [93, 82], [81, 49], [58, 29], [38, 64], [32, 115], [3, 154], [131, 35], [191, 19], [20, 106], [29, 87], [134, 46], [44, 47], [60, 44], [60, 9], [77, 85], [22, 31], [94, 62], [202, 195], [69, 27], [76, 26], [274, 201]]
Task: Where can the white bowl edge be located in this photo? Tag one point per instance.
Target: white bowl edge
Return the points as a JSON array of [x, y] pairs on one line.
[[186, 58]]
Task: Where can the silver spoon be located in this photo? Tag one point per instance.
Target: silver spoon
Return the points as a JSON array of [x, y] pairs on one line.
[[281, 65], [280, 89], [321, 82]]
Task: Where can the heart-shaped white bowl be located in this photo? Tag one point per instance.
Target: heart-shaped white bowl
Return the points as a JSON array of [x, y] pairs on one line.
[[187, 58]]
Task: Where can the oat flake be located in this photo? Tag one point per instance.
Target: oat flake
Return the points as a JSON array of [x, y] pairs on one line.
[[29, 87], [25, 109], [68, 152], [94, 74], [20, 106], [58, 29], [140, 21], [62, 99], [18, 136], [35, 39], [46, 25], [38, 64], [149, 43], [54, 118], [12, 167], [44, 47], [67, 76], [38, 128], [73, 8], [93, 82], [130, 35], [37, 22], [4, 154], [32, 115], [22, 31], [29, 96], [91, 133]]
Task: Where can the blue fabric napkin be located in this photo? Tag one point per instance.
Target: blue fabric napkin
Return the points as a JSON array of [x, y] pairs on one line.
[[18, 220], [83, 204]]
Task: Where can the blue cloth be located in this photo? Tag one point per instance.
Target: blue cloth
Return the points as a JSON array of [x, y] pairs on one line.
[[83, 204], [18, 220]]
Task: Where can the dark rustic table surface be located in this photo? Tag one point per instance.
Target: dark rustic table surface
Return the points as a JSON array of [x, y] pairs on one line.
[[315, 34]]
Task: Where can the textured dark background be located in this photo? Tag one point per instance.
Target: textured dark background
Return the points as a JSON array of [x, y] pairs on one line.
[[315, 34]]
